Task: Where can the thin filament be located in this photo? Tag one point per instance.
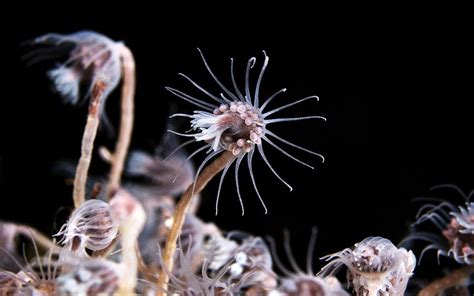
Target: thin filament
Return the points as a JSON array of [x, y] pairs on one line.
[[259, 81], [271, 98], [289, 105], [252, 177], [203, 90], [230, 94], [250, 65], [262, 154], [286, 153], [224, 172], [294, 119], [237, 166], [294, 145], [241, 97]]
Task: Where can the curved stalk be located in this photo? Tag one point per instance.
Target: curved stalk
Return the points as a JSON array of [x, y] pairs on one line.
[[180, 213], [90, 132], [126, 121]]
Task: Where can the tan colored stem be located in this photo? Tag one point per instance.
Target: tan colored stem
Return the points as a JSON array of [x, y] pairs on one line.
[[126, 121], [90, 132], [180, 213], [451, 280], [132, 219]]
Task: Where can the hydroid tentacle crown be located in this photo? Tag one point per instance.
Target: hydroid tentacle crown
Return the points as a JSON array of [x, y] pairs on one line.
[[238, 122]]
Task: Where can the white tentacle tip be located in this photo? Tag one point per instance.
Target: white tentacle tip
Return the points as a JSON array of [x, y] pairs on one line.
[[252, 61]]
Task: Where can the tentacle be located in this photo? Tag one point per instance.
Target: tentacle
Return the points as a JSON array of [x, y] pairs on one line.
[[230, 94], [234, 83], [224, 172], [204, 90], [294, 145], [252, 177], [286, 153], [259, 81], [294, 119], [289, 105], [276, 258], [190, 99], [206, 160], [262, 154], [187, 159], [250, 65], [309, 254], [271, 98], [237, 166], [178, 148], [289, 253]]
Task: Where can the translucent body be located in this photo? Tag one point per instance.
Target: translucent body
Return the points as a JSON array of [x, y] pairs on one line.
[[93, 57], [454, 227], [236, 121], [92, 227], [375, 267]]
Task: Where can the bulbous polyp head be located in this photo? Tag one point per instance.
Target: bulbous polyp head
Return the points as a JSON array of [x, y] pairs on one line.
[[236, 127], [375, 267], [460, 234], [92, 227], [93, 58]]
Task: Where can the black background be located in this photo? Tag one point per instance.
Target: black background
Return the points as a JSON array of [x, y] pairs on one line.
[[415, 81]]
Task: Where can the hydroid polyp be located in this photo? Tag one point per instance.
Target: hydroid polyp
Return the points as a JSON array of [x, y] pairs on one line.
[[99, 62], [233, 126], [236, 121]]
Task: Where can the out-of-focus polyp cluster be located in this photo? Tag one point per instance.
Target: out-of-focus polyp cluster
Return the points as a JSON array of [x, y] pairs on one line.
[[375, 267], [94, 58]]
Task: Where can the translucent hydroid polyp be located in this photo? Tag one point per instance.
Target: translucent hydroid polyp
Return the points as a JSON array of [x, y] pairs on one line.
[[236, 121]]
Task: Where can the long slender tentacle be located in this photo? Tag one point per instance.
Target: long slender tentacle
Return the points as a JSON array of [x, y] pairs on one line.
[[294, 119], [289, 105], [294, 145], [206, 160], [286, 153], [262, 154], [250, 65], [190, 99], [224, 172], [310, 251], [289, 253], [228, 92], [237, 166], [259, 81], [252, 177], [271, 98], [204, 90], [234, 83]]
